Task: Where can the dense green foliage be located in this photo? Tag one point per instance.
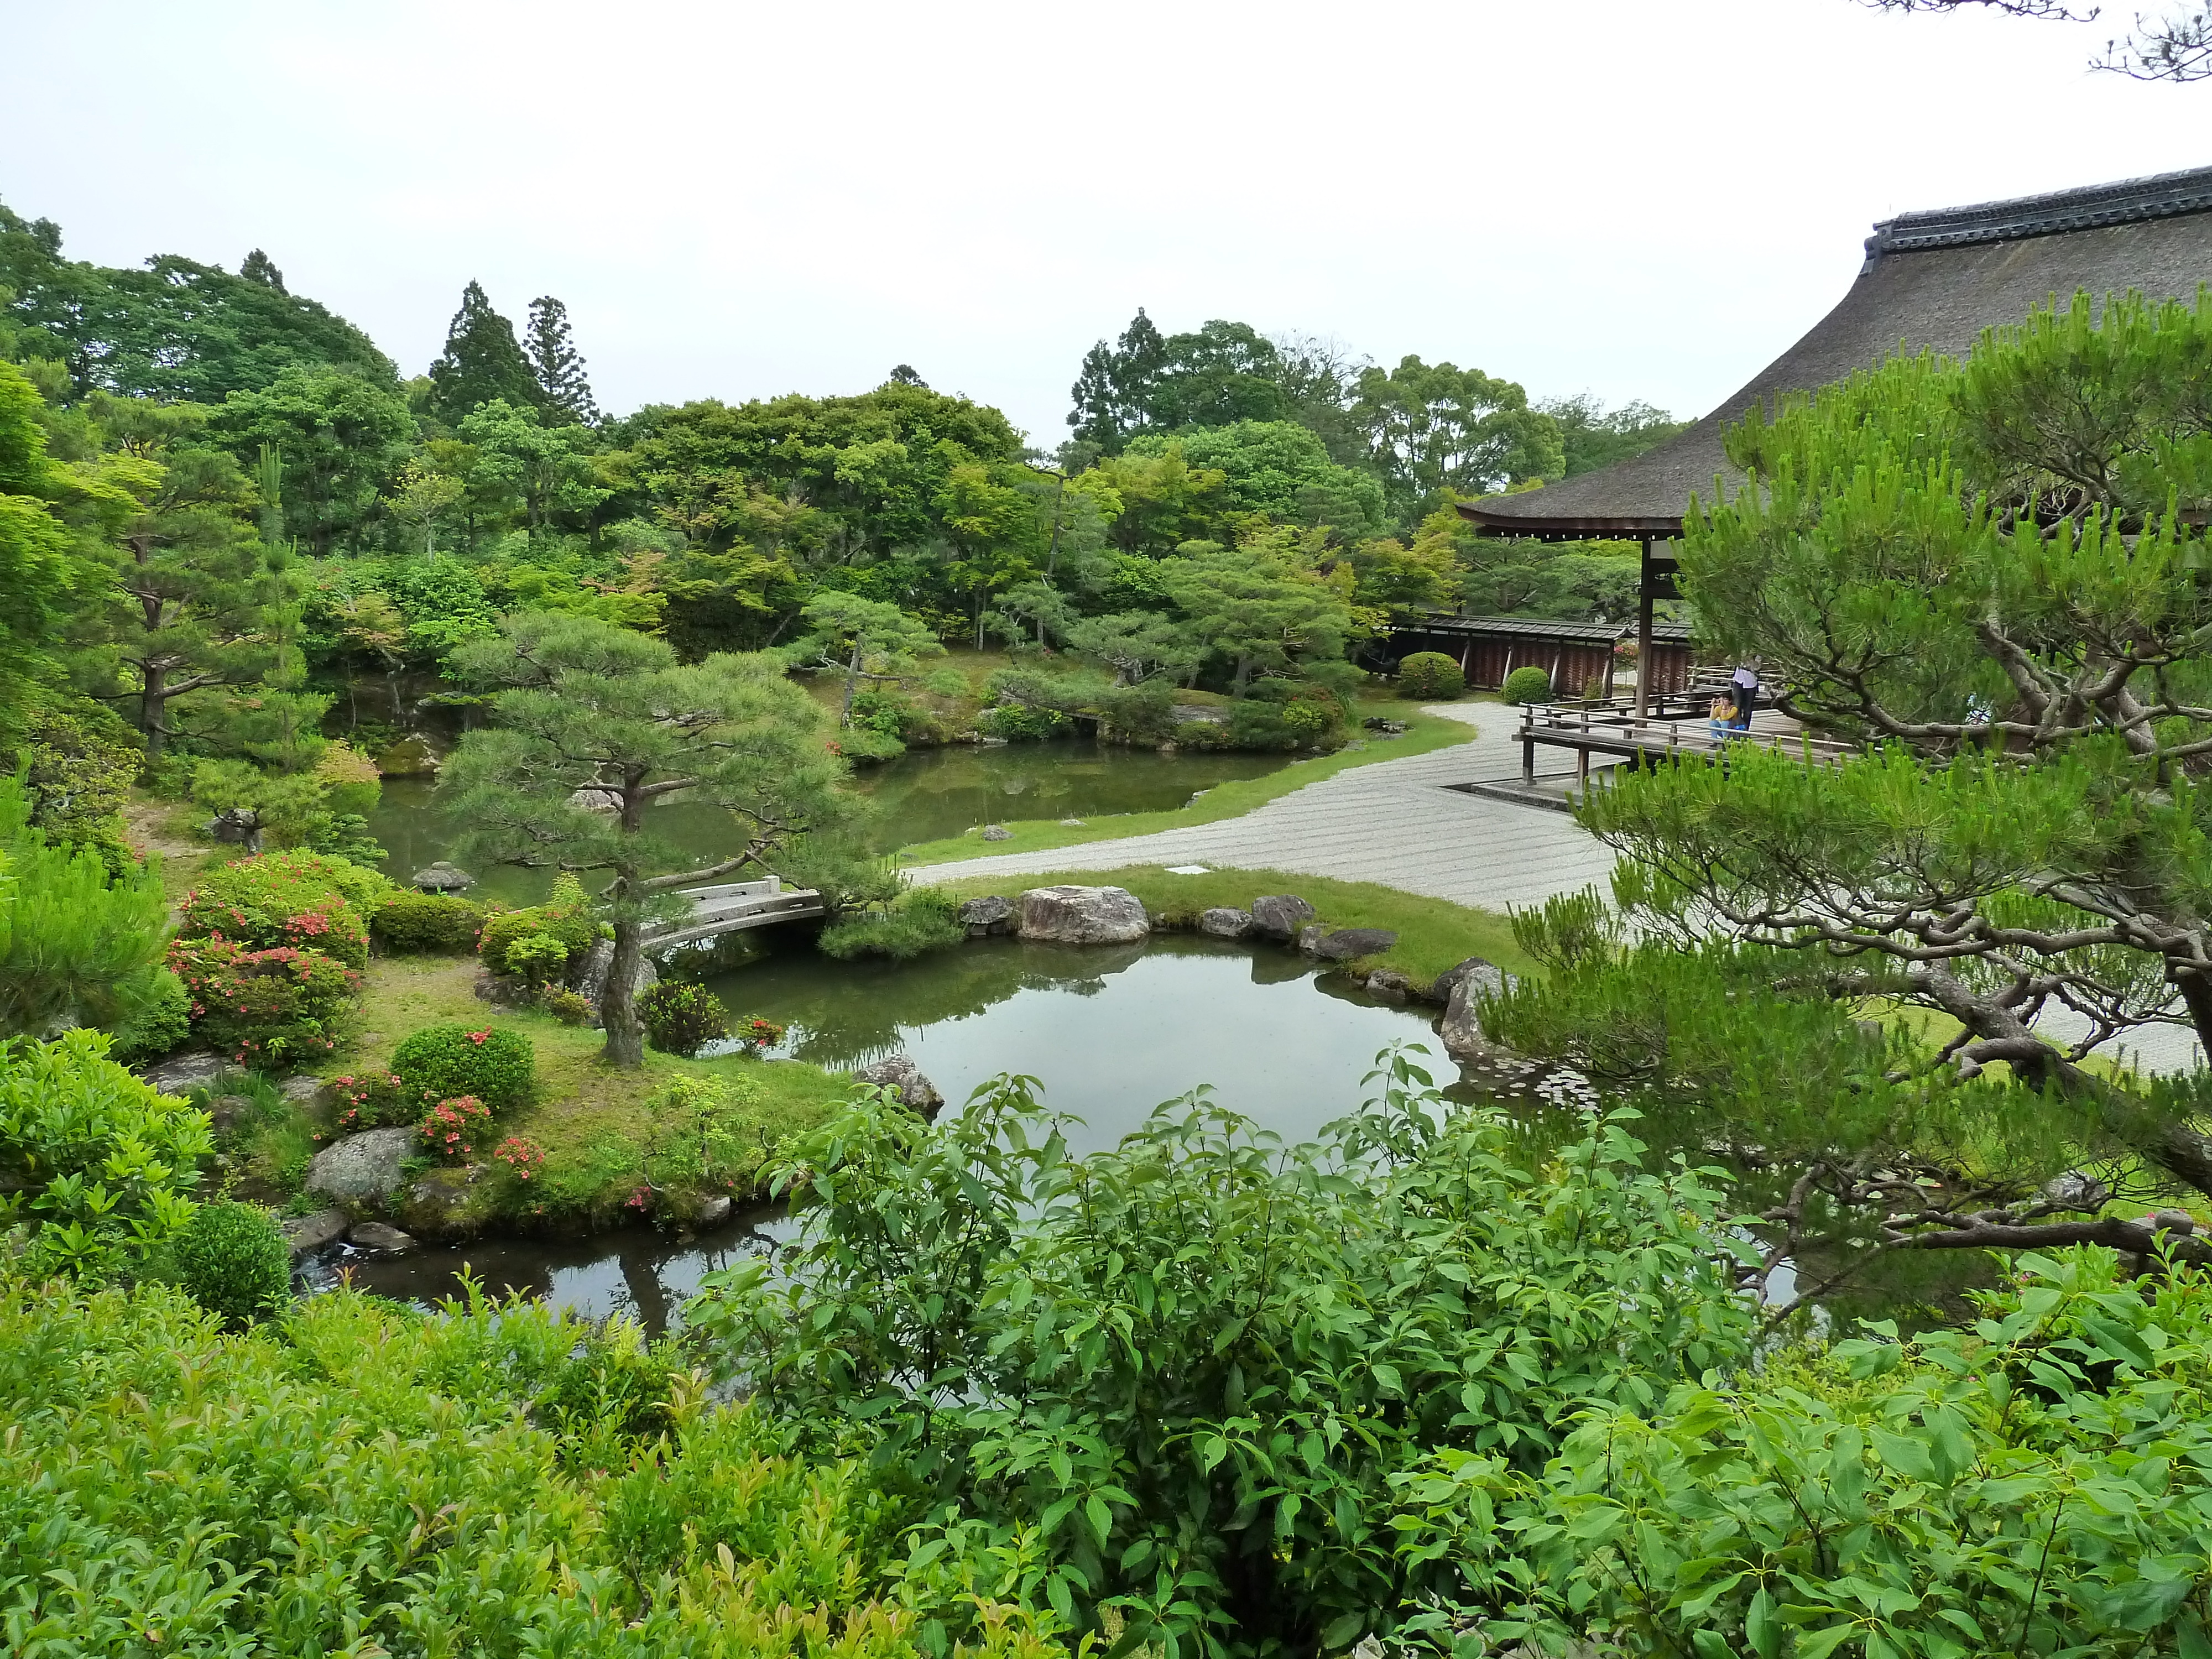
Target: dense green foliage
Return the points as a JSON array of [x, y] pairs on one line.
[[442, 923], [94, 1166], [1530, 685], [503, 1481], [442, 1062], [682, 1019], [1179, 1376], [281, 1007], [279, 899], [233, 1260], [917, 921], [1428, 675]]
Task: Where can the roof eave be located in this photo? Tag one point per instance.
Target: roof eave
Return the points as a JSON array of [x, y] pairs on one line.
[[1570, 528]]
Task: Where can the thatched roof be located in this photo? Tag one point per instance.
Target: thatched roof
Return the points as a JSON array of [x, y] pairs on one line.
[[1932, 279]]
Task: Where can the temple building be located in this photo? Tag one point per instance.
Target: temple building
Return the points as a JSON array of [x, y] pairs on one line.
[[1932, 279]]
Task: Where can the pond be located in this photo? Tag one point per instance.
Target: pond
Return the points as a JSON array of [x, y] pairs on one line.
[[924, 795], [1110, 1032]]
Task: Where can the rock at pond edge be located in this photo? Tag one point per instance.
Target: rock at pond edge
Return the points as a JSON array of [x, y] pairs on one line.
[[1223, 922], [380, 1236], [1489, 974], [307, 1234], [991, 912], [179, 1074], [447, 1204], [362, 1167], [1460, 1028], [1083, 915], [1279, 916], [1345, 942], [900, 1075]]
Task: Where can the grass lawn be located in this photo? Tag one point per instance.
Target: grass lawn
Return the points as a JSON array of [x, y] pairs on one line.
[[1227, 800], [1432, 934], [592, 1119]]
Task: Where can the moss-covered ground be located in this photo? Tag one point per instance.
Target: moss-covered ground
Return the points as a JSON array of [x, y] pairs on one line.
[[1228, 800], [1432, 934]]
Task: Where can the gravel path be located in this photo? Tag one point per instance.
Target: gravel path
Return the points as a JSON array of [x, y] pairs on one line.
[[1392, 822]]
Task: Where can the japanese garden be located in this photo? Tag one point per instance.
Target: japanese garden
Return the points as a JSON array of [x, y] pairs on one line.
[[1354, 1010]]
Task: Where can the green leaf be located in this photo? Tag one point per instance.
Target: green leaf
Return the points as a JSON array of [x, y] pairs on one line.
[[1343, 1631]]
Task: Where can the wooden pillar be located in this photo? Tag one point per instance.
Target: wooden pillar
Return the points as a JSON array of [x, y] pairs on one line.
[[1643, 588]]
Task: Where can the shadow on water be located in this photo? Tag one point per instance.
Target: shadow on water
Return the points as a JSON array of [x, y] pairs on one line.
[[925, 795]]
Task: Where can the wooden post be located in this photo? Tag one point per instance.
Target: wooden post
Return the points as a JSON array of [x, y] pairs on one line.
[[1643, 635]]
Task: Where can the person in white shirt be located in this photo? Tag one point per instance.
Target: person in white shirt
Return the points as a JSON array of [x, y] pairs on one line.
[[1745, 682]]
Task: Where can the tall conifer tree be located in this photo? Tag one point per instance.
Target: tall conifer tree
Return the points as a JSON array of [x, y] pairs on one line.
[[259, 267], [564, 392], [481, 361]]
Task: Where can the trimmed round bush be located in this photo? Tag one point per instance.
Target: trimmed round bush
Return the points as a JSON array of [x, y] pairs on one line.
[[537, 957], [1530, 685], [441, 1062], [1430, 676], [433, 924], [234, 1260], [682, 1019], [265, 1007], [566, 915], [295, 899]]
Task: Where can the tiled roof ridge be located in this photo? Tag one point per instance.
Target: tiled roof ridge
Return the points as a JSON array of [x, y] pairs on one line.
[[2124, 201]]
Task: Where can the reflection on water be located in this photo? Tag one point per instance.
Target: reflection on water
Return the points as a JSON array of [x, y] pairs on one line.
[[925, 795], [1110, 1032]]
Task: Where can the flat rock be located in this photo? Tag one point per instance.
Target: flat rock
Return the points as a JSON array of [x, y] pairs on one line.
[[991, 912], [997, 832], [904, 1078], [1279, 916], [1223, 922], [442, 877], [1071, 824], [1345, 942], [713, 1211], [446, 1204], [1390, 984], [307, 1234], [1083, 915], [380, 1236], [179, 1074], [362, 1166]]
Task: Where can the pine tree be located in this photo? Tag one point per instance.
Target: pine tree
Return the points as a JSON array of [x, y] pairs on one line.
[[1113, 393], [564, 394], [907, 374], [481, 361], [259, 267]]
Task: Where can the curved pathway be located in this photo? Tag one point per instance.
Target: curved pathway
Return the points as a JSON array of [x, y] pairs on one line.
[[1394, 821]]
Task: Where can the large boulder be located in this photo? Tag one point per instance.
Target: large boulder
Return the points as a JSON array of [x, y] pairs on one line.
[[713, 1211], [997, 832], [1278, 916], [1083, 915], [412, 756], [904, 1078], [1487, 975], [179, 1074], [1460, 1028], [593, 982], [1345, 942], [363, 1168], [994, 913], [449, 1203], [1223, 922]]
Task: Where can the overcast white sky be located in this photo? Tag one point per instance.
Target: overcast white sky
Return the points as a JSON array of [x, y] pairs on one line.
[[1637, 198]]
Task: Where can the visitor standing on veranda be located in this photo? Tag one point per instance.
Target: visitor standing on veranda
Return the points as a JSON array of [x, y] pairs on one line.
[[1745, 683]]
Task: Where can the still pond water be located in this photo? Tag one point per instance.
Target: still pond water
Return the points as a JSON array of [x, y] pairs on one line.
[[925, 795], [1110, 1032]]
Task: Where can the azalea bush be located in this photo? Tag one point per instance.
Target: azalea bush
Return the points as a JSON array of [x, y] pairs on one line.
[[297, 898], [523, 1157], [439, 1062], [374, 1099], [451, 1128], [96, 1168], [280, 1007], [757, 1034]]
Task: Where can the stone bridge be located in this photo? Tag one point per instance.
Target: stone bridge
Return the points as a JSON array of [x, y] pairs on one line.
[[731, 908]]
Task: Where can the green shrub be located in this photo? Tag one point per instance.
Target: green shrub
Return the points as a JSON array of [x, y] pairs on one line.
[[566, 915], [234, 1261], [1430, 676], [1524, 685], [859, 743], [682, 1019], [1022, 722], [294, 898], [93, 1161], [78, 779], [437, 924], [374, 1099], [439, 1062], [536, 958], [567, 1008], [159, 1025], [283, 1006], [1286, 715], [922, 920]]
